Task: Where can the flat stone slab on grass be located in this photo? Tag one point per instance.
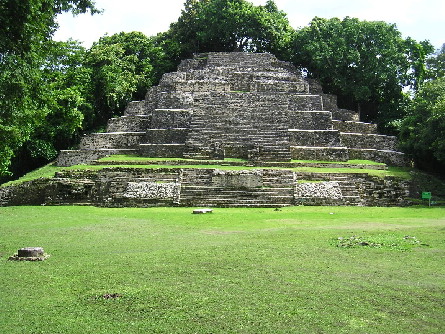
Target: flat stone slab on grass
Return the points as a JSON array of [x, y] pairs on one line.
[[202, 211], [29, 254]]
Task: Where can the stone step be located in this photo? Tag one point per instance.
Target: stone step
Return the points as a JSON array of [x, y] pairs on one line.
[[345, 115], [132, 123], [136, 108], [162, 150], [166, 136], [111, 140], [319, 153], [171, 118], [317, 138], [310, 120], [354, 127], [74, 157], [369, 141], [392, 158]]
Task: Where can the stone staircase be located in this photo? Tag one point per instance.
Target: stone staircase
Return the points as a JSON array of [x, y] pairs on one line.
[[258, 188]]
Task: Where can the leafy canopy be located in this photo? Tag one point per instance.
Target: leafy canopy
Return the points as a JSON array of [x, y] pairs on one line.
[[423, 129], [367, 64], [25, 32], [231, 25]]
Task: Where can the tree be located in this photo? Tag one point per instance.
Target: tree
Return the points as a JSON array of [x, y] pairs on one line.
[[422, 133], [436, 64], [231, 25], [367, 64], [123, 66], [25, 33], [28, 23], [64, 94]]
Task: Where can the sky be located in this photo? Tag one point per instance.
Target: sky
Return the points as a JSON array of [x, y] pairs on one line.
[[419, 19]]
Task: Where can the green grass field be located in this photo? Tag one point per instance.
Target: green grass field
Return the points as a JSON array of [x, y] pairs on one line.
[[165, 270]]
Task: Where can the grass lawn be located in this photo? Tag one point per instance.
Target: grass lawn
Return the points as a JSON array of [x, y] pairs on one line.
[[165, 270]]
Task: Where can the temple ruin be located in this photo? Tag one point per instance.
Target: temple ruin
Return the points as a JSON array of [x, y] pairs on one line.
[[250, 109]]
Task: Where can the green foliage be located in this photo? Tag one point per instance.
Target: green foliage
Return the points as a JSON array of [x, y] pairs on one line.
[[366, 64], [28, 23], [436, 64], [231, 25], [20, 105], [423, 129], [61, 103], [239, 270], [123, 66], [25, 32]]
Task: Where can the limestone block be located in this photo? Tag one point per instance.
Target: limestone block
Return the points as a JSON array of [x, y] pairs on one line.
[[166, 136], [202, 211], [134, 123], [30, 252], [171, 118], [151, 190], [317, 138], [135, 108], [369, 141], [319, 153], [329, 189], [354, 127], [162, 150], [310, 120], [112, 140]]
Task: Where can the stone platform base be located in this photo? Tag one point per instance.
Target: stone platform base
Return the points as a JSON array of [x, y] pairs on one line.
[[207, 187]]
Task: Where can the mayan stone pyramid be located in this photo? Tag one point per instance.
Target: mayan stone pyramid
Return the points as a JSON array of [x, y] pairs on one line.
[[226, 130], [237, 105]]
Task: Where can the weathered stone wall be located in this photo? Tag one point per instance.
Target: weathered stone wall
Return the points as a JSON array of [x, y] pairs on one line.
[[167, 136], [77, 157], [354, 127], [112, 140], [115, 187], [136, 123], [391, 158], [301, 102], [171, 118], [135, 108], [369, 141], [345, 115], [310, 120], [319, 153], [355, 189], [326, 138], [28, 193], [162, 150]]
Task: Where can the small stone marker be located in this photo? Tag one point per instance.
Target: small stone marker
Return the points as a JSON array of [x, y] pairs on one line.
[[29, 254], [201, 211]]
